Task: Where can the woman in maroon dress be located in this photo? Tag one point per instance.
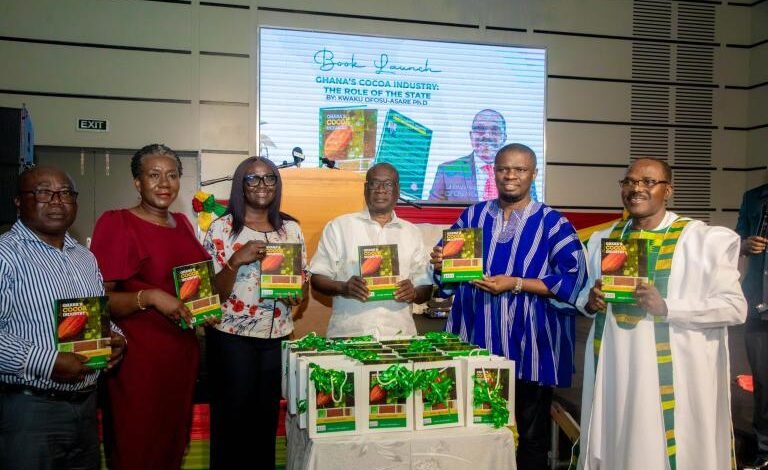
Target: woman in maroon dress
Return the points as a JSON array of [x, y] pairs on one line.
[[151, 394]]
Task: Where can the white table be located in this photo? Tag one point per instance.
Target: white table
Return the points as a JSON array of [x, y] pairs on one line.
[[438, 449]]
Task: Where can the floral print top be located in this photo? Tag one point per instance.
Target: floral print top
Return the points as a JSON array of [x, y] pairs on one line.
[[245, 313]]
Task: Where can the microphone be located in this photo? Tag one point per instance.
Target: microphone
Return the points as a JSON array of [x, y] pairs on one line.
[[329, 163], [298, 156]]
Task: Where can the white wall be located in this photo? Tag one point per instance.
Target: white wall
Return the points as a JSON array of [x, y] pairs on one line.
[[184, 74]]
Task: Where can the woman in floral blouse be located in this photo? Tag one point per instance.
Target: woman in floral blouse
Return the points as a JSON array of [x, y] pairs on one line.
[[243, 351]]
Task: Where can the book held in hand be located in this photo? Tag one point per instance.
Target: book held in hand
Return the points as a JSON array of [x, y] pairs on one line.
[[380, 269], [462, 254], [195, 287], [281, 273], [624, 264], [82, 327]]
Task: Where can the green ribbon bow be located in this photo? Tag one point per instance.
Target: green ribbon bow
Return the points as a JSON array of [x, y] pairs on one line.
[[435, 387], [312, 341], [210, 205], [420, 345], [397, 381], [439, 337], [301, 406], [330, 381], [484, 394]]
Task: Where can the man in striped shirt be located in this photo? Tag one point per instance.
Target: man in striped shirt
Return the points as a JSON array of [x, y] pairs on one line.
[[47, 398], [534, 267]]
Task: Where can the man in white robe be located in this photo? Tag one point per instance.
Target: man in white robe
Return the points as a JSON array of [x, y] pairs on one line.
[[622, 422]]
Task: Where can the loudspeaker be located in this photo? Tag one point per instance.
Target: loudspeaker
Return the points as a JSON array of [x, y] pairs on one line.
[[10, 151]]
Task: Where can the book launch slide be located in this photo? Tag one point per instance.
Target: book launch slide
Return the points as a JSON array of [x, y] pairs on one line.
[[351, 101]]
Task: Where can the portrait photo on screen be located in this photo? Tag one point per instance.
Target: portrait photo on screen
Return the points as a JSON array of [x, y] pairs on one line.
[[437, 111]]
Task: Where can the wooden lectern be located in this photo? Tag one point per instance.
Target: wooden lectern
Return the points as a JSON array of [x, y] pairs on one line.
[[315, 196]]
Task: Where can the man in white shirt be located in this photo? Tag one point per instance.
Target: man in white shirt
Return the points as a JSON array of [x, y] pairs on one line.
[[335, 268]]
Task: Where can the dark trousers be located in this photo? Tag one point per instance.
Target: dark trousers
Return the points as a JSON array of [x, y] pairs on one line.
[[756, 338], [40, 433], [244, 375], [532, 404]]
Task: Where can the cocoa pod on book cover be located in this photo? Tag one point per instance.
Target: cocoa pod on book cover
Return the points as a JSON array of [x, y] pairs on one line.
[[453, 248], [322, 399], [377, 394], [271, 263], [370, 266], [613, 262], [70, 327], [189, 288], [336, 143]]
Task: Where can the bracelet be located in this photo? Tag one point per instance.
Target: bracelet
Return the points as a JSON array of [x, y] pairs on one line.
[[518, 286], [226, 264], [138, 300]]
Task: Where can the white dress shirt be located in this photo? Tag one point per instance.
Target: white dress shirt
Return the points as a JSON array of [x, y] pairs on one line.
[[337, 258]]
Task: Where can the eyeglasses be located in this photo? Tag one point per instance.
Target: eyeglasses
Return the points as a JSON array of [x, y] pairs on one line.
[[645, 183], [376, 185], [481, 129], [253, 180], [66, 196], [517, 170]]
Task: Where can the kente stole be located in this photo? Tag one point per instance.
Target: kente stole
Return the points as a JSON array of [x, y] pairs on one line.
[[627, 316]]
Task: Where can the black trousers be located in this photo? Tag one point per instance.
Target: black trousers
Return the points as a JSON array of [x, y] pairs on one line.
[[756, 339], [532, 404], [48, 434], [244, 375]]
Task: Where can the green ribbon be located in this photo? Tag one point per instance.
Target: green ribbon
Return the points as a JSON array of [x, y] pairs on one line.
[[312, 341], [484, 394], [420, 346], [439, 337], [330, 381], [359, 354], [357, 339], [435, 388], [301, 406], [210, 205], [397, 381]]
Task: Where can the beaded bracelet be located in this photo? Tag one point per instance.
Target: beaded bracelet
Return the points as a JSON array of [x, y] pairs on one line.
[[518, 286], [138, 300]]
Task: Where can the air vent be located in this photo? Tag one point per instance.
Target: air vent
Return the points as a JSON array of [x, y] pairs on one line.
[[692, 188], [693, 106], [694, 64], [693, 147], [695, 22], [651, 61], [649, 142], [652, 19], [650, 103]]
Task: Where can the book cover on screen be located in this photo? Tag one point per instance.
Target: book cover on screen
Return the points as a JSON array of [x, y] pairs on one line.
[[405, 144], [380, 269], [348, 136], [624, 264], [195, 287], [281, 273], [82, 327], [462, 254]]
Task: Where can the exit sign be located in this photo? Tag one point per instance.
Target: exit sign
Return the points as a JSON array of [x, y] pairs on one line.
[[93, 125]]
